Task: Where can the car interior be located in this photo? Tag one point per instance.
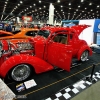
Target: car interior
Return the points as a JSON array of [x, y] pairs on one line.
[[60, 39]]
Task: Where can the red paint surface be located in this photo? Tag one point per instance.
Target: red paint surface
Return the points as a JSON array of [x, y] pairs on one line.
[[46, 53]]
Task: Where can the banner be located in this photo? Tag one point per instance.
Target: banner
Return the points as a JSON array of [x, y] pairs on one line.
[[27, 18], [69, 23]]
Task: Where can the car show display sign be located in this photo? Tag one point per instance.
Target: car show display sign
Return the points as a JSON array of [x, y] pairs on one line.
[[27, 18], [69, 23]]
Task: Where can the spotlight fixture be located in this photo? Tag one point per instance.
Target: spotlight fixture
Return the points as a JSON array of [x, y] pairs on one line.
[[39, 1], [21, 1], [69, 4], [82, 0], [58, 1], [90, 3]]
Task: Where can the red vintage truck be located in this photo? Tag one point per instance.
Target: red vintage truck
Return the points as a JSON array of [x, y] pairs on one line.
[[51, 47]]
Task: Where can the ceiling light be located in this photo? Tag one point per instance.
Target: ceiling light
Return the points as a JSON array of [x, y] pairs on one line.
[[98, 6], [61, 6], [30, 6], [69, 4], [90, 3], [39, 1], [21, 2], [82, 0], [76, 9], [34, 4], [69, 8], [18, 4], [44, 6], [58, 1], [85, 8], [78, 6]]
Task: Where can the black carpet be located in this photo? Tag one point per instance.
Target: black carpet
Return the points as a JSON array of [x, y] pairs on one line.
[[50, 82]]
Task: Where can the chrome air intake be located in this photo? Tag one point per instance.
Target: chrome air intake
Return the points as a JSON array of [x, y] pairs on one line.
[[24, 46]]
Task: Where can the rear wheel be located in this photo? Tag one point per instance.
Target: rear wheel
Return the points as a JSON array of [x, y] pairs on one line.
[[84, 56], [20, 72]]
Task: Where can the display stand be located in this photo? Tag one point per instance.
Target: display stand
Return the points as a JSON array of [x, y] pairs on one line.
[[5, 92]]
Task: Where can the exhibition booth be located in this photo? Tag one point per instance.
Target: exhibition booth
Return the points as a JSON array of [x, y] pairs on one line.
[[66, 55], [91, 34], [53, 84]]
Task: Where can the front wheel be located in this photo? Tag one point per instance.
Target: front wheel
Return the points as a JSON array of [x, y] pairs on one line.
[[20, 72], [84, 56]]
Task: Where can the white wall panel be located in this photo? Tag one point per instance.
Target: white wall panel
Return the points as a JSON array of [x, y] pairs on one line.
[[87, 34]]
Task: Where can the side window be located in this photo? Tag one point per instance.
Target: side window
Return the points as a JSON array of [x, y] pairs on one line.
[[60, 38], [3, 35], [31, 33]]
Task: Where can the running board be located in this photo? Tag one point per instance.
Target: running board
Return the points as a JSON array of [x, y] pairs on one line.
[[72, 66]]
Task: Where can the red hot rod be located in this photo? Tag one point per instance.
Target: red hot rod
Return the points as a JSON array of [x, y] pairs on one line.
[[51, 47]]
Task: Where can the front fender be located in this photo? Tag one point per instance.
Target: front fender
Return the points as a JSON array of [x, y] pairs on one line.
[[38, 64], [82, 49]]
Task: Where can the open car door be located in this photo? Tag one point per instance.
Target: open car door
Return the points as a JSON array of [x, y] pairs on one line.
[[59, 54]]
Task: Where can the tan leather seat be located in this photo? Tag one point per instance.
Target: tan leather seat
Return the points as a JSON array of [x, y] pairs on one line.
[[63, 40], [57, 39]]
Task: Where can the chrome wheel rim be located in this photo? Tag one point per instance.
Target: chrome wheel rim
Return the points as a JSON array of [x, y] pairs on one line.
[[84, 56], [20, 72]]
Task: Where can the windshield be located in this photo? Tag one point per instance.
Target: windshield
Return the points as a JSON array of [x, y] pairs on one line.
[[15, 32], [44, 33]]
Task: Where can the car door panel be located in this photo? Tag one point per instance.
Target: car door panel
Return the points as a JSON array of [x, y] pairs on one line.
[[60, 55]]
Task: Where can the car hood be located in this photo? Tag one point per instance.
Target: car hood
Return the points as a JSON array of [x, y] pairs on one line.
[[38, 38], [79, 28]]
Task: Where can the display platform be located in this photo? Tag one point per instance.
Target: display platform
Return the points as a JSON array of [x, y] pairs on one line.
[[70, 91], [95, 48], [51, 82], [5, 92]]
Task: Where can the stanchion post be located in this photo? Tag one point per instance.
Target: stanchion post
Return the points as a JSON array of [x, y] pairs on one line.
[[92, 71], [90, 78]]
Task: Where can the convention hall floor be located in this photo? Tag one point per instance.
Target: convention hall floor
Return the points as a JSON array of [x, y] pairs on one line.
[[50, 83]]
